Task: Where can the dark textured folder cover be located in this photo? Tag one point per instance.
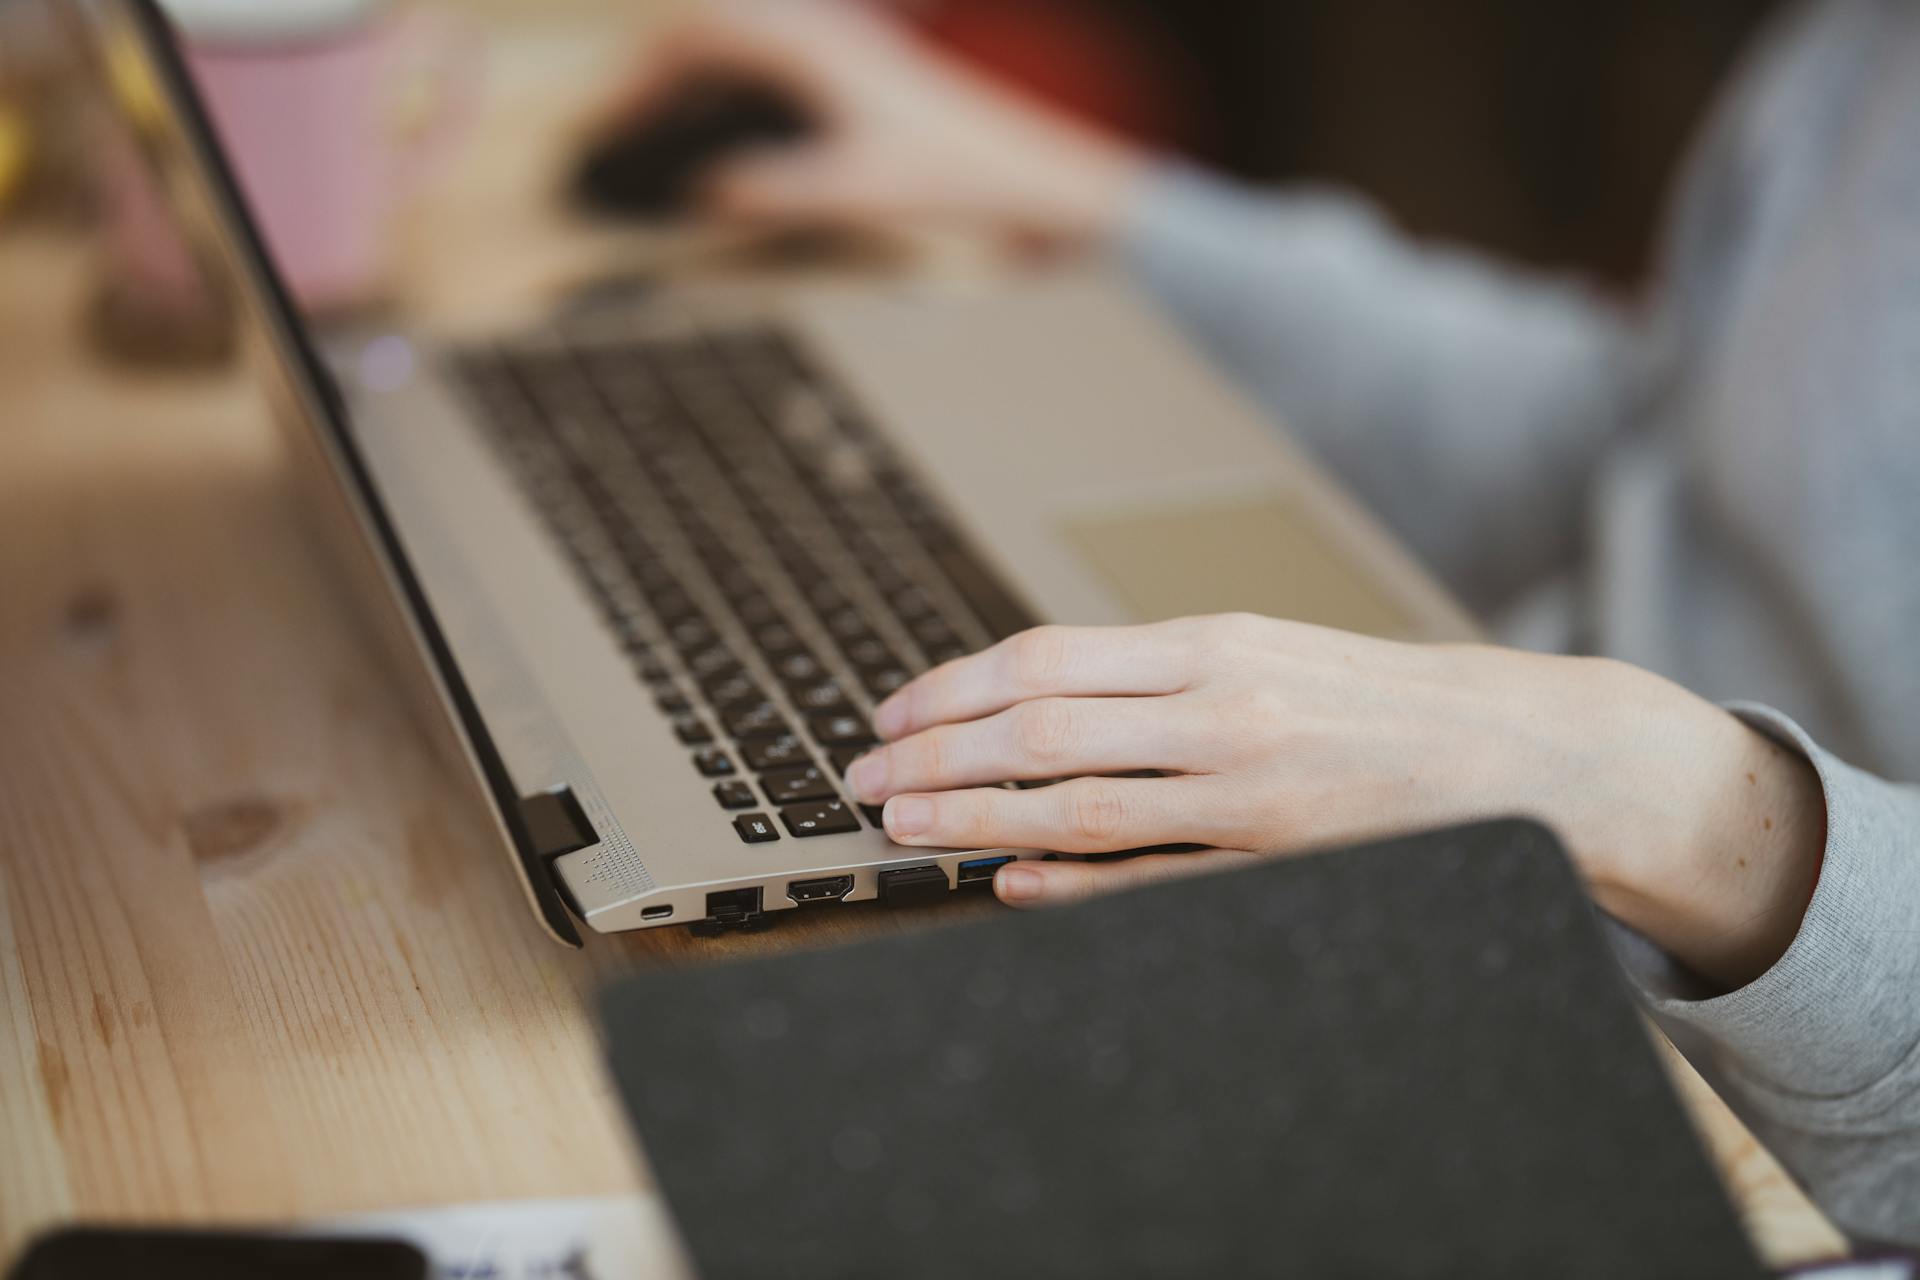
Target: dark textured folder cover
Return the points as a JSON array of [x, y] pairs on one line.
[[1411, 1059]]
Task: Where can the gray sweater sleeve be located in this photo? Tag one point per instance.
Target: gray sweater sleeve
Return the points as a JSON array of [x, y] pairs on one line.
[[1466, 403], [1821, 1054]]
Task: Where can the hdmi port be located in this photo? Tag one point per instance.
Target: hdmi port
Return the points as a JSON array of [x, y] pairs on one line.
[[825, 889]]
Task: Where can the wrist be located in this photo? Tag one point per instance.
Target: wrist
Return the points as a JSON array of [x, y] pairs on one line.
[[1718, 848]]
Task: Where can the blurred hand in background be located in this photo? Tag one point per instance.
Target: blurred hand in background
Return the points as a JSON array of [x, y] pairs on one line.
[[903, 133]]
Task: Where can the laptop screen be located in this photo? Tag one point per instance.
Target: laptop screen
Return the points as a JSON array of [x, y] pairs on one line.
[[150, 264]]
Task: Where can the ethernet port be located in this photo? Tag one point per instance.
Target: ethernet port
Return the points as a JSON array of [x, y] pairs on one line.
[[733, 906]]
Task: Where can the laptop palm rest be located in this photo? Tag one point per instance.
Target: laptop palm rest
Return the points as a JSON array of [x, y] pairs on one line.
[[1194, 559]]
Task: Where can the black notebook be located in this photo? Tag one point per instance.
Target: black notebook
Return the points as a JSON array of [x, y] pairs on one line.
[[1412, 1059]]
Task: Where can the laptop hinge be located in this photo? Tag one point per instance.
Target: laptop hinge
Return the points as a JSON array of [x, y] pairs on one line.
[[556, 822]]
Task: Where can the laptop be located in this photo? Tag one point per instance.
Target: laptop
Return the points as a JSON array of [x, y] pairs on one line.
[[661, 562]]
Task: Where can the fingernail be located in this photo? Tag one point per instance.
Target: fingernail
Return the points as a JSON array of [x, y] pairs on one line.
[[867, 777], [890, 718], [908, 815], [1019, 884]]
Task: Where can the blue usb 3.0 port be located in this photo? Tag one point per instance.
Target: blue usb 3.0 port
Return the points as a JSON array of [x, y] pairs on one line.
[[981, 868]]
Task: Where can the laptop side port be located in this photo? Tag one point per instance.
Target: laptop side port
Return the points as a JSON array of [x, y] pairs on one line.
[[732, 909], [980, 870], [824, 889], [904, 885], [660, 912]]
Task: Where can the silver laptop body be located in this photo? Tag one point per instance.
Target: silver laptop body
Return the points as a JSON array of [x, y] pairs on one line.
[[950, 464]]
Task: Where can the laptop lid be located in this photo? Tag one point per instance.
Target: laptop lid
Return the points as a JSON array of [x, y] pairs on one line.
[[160, 134], [1415, 1058]]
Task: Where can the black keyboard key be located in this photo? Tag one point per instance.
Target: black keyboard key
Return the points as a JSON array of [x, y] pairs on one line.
[[691, 633], [847, 623], [821, 695], [775, 637], [840, 729], [734, 795], [934, 630], [756, 828], [825, 595], [776, 752], [714, 763], [869, 651], [756, 610], [652, 672], [802, 782], [819, 818], [649, 571], [673, 605], [736, 583], [796, 667], [733, 689], [881, 681], [673, 702], [875, 814], [692, 731], [843, 757], [947, 652], [911, 602], [711, 662], [754, 720], [887, 576]]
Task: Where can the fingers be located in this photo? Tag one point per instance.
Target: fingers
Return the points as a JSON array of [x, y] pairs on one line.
[[1086, 815], [1046, 884], [1046, 661], [813, 182], [1045, 738]]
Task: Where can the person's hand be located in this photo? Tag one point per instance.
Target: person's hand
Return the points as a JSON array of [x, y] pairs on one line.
[[904, 133], [1276, 737]]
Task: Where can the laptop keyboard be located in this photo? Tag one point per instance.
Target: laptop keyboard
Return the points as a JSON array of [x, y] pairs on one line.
[[770, 566]]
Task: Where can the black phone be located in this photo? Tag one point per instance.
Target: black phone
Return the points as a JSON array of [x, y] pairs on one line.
[[115, 1253]]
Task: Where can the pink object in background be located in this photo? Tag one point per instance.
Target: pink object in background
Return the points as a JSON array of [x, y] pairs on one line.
[[331, 111]]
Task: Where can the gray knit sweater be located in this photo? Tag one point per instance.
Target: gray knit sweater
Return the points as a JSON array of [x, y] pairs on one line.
[[1722, 486]]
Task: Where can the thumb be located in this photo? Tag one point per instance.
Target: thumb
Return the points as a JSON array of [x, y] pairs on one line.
[[1048, 884]]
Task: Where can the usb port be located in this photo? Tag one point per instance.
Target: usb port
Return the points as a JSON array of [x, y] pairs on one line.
[[825, 889], [656, 913], [904, 885], [977, 869]]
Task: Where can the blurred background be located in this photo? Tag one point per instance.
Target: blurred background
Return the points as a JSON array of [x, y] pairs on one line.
[[1544, 132]]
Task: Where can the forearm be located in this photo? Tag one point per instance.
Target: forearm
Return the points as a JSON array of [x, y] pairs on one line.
[[1821, 1051]]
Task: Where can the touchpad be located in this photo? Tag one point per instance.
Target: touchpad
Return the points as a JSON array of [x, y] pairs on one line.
[[1263, 555]]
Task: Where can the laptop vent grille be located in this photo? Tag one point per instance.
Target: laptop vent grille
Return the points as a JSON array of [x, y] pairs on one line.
[[616, 864]]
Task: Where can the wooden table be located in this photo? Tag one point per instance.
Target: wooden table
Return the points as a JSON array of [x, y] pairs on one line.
[[259, 958]]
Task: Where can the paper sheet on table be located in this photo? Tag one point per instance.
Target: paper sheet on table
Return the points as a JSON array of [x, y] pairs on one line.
[[589, 1238]]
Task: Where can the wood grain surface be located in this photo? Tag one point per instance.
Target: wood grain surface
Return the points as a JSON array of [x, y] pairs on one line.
[[259, 958]]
